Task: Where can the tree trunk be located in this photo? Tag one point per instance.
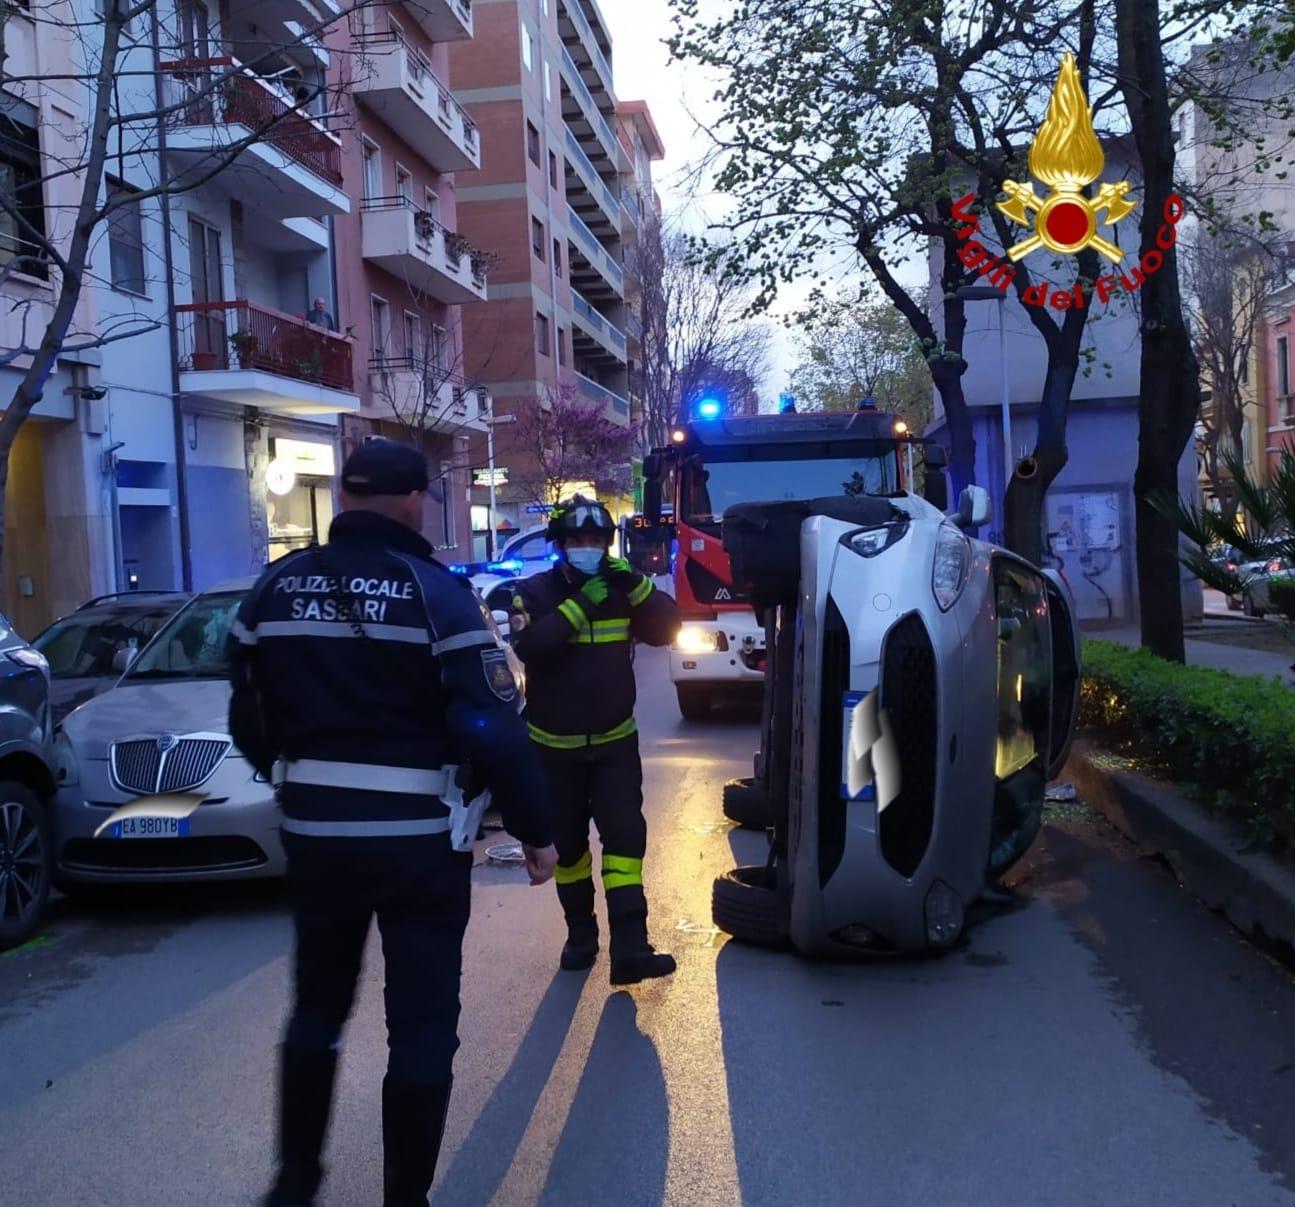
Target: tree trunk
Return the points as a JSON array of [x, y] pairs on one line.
[[962, 437], [1169, 399]]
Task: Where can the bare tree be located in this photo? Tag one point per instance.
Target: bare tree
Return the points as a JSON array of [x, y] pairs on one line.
[[697, 333], [185, 85]]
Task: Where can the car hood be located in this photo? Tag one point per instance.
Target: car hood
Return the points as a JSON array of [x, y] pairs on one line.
[[146, 709], [67, 694]]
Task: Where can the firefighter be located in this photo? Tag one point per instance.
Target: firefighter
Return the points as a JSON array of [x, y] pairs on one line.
[[574, 628], [363, 671]]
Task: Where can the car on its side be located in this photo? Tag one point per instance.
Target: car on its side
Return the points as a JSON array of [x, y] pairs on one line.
[[26, 787], [89, 649]]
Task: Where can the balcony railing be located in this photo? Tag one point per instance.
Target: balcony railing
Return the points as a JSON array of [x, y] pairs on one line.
[[602, 193], [224, 92], [246, 335], [599, 393], [598, 255], [426, 231], [585, 30], [634, 325], [591, 111], [427, 377], [600, 323]]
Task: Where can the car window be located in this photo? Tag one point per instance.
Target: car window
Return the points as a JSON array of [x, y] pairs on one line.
[[1024, 686], [500, 596], [532, 549], [192, 645], [84, 646]]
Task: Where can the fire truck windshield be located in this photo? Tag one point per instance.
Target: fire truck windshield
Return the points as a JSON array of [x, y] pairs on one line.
[[710, 488]]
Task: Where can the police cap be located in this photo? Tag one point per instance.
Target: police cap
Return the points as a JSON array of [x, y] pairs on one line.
[[383, 467]]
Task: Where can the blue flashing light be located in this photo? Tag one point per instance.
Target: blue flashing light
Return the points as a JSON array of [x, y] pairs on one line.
[[867, 403], [511, 566], [786, 404], [710, 408]]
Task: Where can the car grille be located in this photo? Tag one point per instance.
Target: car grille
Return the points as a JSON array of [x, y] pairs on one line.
[[211, 853], [139, 765], [908, 696], [835, 682]]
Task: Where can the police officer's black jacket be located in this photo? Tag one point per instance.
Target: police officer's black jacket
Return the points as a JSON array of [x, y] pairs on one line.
[[368, 651], [579, 666]]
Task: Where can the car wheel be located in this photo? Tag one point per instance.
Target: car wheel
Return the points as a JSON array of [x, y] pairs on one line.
[[746, 803], [694, 701], [1250, 608], [25, 856], [746, 905]]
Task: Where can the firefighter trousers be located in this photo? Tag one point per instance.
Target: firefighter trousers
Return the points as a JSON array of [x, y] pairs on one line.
[[603, 784]]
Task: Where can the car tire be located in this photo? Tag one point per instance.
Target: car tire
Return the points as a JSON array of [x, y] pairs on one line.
[[26, 853], [746, 803], [746, 905], [1250, 609], [694, 701]]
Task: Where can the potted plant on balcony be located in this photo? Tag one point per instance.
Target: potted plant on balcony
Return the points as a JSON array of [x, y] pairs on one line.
[[244, 344], [309, 365], [456, 247]]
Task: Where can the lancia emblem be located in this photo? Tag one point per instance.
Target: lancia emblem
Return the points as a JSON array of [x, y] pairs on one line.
[[166, 742]]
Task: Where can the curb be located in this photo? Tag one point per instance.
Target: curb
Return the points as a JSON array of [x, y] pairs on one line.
[[1252, 889]]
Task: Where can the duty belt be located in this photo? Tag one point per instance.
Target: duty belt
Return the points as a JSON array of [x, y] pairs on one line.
[[578, 741]]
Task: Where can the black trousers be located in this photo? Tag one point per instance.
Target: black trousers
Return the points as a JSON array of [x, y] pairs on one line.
[[602, 784], [419, 888]]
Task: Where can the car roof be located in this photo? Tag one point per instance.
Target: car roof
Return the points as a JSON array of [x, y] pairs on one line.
[[232, 584], [129, 600]]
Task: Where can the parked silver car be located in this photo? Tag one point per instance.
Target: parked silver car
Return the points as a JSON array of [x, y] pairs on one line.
[[26, 787]]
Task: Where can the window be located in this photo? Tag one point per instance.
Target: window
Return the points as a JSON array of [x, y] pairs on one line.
[[432, 204], [125, 240], [548, 83], [372, 170], [557, 256], [528, 49], [533, 144], [381, 319], [210, 343], [440, 349], [413, 337], [22, 228], [404, 185], [195, 30], [537, 238], [562, 346], [1283, 366], [553, 170], [542, 335], [544, 5]]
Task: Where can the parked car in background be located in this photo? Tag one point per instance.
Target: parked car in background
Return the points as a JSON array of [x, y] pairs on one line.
[[1256, 599], [26, 787], [89, 649]]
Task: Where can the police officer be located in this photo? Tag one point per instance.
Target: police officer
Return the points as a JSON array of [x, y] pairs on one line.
[[364, 669], [573, 626]]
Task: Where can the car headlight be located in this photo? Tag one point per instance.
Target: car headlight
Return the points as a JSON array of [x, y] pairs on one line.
[[25, 656], [869, 542], [67, 772], [952, 564], [693, 640]]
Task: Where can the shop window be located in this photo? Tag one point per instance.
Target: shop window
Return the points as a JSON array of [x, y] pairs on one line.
[[22, 219], [533, 144], [126, 240]]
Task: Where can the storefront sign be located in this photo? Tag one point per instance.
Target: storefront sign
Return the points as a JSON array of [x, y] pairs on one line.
[[308, 458], [481, 477]]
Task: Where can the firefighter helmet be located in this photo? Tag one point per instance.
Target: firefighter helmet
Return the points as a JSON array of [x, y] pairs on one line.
[[579, 514]]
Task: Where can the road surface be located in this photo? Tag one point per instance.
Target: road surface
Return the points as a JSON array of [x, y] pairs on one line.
[[1111, 1042]]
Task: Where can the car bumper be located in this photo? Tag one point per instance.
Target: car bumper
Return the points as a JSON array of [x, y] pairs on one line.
[[233, 836], [741, 664]]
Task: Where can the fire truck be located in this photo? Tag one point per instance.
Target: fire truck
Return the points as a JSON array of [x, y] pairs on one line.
[[712, 464]]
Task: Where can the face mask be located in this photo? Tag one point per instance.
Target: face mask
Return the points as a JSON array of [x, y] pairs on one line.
[[586, 561]]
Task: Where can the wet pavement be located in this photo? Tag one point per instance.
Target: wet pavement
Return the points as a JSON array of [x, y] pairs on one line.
[[1109, 1041]]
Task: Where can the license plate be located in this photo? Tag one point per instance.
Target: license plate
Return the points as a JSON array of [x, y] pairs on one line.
[[149, 827], [867, 790]]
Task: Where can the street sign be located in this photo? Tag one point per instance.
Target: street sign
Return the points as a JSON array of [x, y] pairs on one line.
[[538, 508], [481, 477]]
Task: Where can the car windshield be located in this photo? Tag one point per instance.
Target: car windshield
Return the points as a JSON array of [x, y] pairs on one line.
[[84, 646], [712, 488], [192, 645]]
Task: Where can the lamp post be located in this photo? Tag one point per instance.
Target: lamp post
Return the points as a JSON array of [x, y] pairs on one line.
[[983, 293], [490, 420]]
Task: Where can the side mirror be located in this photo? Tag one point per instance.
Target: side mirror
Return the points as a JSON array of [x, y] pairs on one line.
[[973, 507], [935, 456], [122, 659], [935, 490], [652, 500]]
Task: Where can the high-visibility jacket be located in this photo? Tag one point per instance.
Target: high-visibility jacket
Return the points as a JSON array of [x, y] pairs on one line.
[[580, 687], [364, 667]]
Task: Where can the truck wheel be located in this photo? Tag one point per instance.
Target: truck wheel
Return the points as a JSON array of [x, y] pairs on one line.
[[25, 855], [745, 904], [746, 803], [694, 701]]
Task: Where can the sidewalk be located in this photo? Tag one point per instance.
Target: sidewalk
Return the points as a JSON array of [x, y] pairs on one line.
[[1233, 658]]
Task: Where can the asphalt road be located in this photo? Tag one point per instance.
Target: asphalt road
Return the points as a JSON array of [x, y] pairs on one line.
[[1110, 1042]]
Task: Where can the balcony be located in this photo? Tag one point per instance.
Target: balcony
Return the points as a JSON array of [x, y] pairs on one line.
[[634, 326], [410, 244], [599, 329], [247, 354], [582, 115], [598, 257], [588, 192], [244, 133], [422, 395], [443, 20], [615, 407], [578, 35], [396, 82]]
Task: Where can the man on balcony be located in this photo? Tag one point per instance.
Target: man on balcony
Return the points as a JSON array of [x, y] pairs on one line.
[[320, 317]]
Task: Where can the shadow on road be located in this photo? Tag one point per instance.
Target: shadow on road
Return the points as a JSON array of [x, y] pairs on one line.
[[483, 1160], [616, 1142]]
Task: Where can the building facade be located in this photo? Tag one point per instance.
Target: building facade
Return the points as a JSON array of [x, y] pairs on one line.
[[1276, 355]]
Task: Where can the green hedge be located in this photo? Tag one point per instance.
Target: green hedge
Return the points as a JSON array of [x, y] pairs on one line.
[[1282, 593], [1230, 738]]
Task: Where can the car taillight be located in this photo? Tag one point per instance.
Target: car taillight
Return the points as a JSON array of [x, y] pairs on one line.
[[1274, 566]]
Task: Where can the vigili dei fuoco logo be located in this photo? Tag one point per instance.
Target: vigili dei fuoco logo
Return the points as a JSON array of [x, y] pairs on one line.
[[1067, 157]]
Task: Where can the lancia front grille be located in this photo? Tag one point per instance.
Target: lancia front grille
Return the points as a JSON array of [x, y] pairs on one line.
[[147, 766]]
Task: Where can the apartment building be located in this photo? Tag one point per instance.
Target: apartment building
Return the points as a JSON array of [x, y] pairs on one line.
[[538, 82], [208, 441], [1275, 353]]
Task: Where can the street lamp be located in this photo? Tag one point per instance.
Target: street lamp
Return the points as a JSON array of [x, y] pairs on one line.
[[985, 293], [490, 420]]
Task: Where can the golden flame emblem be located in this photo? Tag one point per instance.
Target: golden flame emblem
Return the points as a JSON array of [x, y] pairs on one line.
[[1067, 157]]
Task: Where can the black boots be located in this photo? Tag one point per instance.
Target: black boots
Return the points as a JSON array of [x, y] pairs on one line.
[[633, 958], [413, 1123], [305, 1098], [581, 948]]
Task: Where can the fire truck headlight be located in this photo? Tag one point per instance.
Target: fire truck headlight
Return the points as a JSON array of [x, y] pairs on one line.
[[692, 640]]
